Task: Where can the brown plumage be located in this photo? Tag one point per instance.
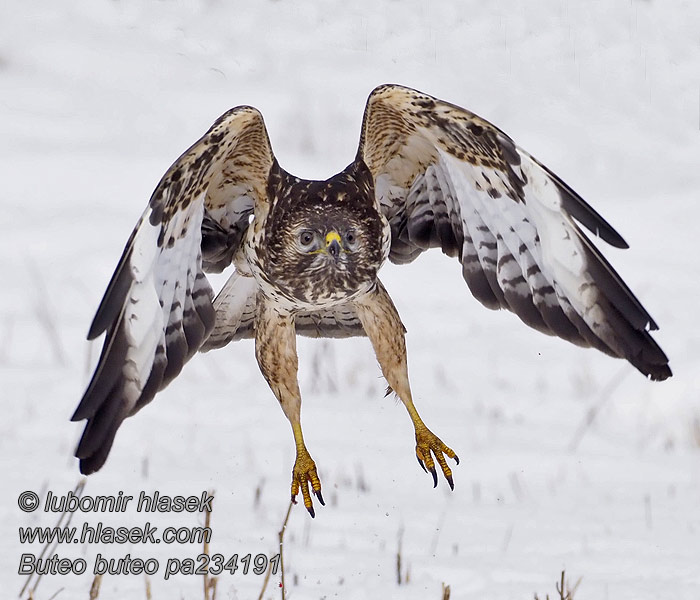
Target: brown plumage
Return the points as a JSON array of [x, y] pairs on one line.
[[307, 255]]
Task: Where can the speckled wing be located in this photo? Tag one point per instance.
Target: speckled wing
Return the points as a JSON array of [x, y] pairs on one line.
[[157, 311], [446, 178]]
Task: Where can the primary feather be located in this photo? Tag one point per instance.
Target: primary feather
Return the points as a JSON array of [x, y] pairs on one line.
[[447, 178]]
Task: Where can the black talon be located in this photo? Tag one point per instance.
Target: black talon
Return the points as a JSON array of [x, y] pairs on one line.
[[320, 498], [433, 472], [452, 485], [456, 459], [294, 499], [420, 462], [311, 512]]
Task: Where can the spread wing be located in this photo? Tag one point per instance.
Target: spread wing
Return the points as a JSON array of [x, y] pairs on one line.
[[157, 311], [446, 178]]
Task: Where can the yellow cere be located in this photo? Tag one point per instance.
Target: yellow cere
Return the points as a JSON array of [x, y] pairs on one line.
[[333, 235]]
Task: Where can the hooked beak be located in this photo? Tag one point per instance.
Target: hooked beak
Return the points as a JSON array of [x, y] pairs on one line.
[[333, 246]]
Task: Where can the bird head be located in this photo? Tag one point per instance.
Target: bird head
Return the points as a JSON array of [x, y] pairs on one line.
[[324, 238]]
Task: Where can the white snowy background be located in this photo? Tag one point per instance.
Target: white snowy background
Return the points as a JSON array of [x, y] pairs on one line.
[[97, 98]]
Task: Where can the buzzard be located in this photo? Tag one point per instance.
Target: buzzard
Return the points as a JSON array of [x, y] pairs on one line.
[[306, 257]]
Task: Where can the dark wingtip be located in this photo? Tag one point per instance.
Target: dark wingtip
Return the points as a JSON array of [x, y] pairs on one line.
[[650, 359], [98, 437], [660, 373], [609, 235], [77, 415], [87, 467], [115, 295], [584, 213], [94, 331], [94, 462]]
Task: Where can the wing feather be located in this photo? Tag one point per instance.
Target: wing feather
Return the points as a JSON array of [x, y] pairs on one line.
[[446, 178], [234, 308], [158, 308]]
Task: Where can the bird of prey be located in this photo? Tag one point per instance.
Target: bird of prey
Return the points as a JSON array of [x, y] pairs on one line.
[[306, 256]]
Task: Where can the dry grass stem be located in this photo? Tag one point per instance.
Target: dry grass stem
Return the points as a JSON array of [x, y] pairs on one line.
[[95, 588], [281, 538], [49, 547], [564, 590], [398, 557], [209, 582], [280, 535]]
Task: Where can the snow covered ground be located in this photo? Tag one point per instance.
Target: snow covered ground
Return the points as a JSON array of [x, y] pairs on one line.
[[97, 98]]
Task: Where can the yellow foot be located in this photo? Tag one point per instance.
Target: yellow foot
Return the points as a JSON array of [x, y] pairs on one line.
[[426, 443], [304, 471]]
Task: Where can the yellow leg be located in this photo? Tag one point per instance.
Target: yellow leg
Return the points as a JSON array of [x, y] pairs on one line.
[[304, 471], [428, 443], [383, 326]]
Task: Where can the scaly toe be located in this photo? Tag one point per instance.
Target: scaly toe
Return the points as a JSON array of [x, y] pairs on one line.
[[303, 474], [429, 445]]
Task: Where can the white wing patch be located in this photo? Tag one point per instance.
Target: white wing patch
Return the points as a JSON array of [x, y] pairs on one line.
[[143, 319], [529, 248], [446, 178]]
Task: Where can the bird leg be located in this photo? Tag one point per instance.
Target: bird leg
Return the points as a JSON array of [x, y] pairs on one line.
[[275, 350], [385, 330]]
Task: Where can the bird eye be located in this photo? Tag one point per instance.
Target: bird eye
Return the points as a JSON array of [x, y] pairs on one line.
[[306, 238], [350, 237]]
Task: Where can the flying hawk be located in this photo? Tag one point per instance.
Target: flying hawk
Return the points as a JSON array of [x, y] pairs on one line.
[[428, 174]]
